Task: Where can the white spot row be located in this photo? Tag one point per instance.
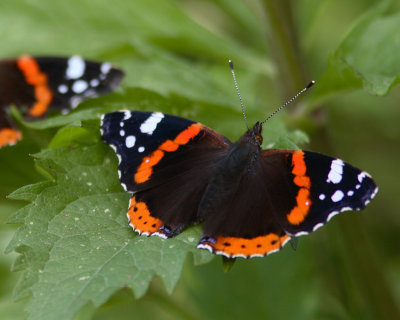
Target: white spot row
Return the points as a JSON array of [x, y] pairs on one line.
[[337, 196], [76, 69], [78, 87]]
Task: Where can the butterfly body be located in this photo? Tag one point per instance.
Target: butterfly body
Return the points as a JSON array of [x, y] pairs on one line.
[[240, 164], [251, 201]]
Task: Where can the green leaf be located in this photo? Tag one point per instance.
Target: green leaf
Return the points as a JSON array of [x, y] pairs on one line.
[[367, 57], [76, 244], [175, 55]]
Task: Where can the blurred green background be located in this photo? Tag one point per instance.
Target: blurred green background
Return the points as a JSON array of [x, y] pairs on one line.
[[350, 269]]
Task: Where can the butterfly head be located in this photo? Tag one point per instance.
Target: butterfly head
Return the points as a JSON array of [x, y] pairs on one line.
[[254, 135]]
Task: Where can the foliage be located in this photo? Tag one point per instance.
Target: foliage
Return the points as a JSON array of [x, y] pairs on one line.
[[75, 254]]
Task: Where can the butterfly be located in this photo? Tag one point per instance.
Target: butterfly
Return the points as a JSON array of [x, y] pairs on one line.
[[37, 85], [251, 201]]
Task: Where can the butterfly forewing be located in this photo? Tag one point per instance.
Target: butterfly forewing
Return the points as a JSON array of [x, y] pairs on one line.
[[166, 161], [313, 188]]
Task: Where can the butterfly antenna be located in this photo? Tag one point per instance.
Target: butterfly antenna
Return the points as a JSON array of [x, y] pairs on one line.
[[238, 92], [289, 101]]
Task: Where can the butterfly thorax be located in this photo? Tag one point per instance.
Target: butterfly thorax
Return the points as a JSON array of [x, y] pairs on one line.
[[239, 164]]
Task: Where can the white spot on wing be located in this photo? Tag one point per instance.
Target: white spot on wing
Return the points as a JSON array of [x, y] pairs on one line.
[[94, 82], [75, 101], [159, 234], [337, 196], [374, 193], [331, 215], [79, 86], [76, 67], [151, 123], [204, 246], [105, 67], [62, 88], [130, 141], [121, 133], [321, 196], [301, 233], [141, 149], [361, 176], [317, 226], [127, 115], [350, 193], [336, 171]]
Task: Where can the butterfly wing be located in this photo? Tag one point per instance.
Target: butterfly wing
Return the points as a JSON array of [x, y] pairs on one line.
[[287, 193], [74, 80], [317, 187], [166, 161], [9, 134], [37, 85]]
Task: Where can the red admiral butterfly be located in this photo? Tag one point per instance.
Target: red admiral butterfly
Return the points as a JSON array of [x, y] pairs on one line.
[[36, 85], [251, 201]]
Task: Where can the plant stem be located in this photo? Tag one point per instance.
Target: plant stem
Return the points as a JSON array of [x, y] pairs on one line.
[[285, 50], [365, 269]]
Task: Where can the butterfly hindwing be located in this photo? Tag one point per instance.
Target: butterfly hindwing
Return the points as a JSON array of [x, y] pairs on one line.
[[239, 221]]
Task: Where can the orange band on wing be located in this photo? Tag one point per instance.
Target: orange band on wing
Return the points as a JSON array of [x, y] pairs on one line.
[[303, 201], [9, 136], [299, 166], [145, 169], [140, 218], [258, 246], [38, 80], [185, 136], [169, 146]]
